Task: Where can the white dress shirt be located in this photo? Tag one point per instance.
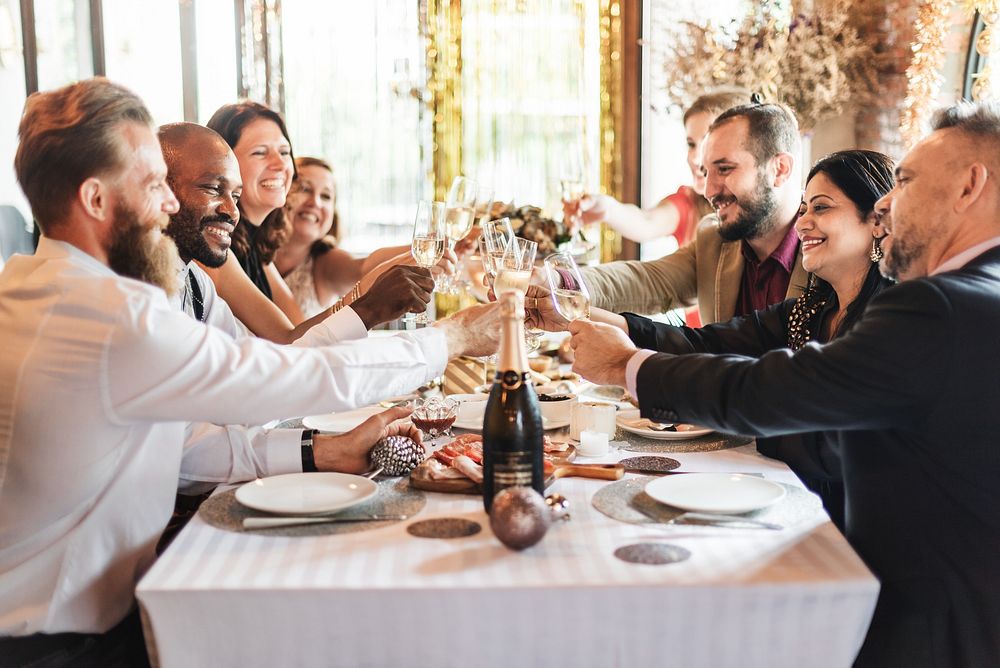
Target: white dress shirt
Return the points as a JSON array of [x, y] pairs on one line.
[[215, 454], [98, 377]]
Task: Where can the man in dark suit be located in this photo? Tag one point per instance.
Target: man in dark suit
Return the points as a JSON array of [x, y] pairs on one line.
[[910, 395]]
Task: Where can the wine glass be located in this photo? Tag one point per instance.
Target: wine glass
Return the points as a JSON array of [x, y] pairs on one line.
[[573, 186], [516, 264], [428, 241], [570, 302], [493, 243]]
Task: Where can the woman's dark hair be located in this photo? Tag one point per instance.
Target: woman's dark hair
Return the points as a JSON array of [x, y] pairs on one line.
[[864, 177], [329, 241], [229, 121]]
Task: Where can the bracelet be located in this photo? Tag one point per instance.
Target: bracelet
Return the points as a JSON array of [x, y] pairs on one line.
[[308, 461], [354, 295]]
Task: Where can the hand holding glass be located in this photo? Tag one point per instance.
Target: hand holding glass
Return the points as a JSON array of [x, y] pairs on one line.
[[428, 239], [571, 301]]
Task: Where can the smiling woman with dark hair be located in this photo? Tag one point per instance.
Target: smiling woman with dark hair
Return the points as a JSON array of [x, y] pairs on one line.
[[841, 245]]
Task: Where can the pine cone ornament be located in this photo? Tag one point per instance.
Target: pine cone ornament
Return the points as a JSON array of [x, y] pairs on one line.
[[397, 455]]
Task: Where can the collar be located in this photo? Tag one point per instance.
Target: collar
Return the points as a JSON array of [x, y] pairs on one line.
[[966, 256], [53, 249], [784, 254]]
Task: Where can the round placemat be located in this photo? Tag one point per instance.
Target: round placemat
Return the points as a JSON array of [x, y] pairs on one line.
[[652, 554], [707, 443], [444, 527], [626, 501], [394, 497], [650, 464]]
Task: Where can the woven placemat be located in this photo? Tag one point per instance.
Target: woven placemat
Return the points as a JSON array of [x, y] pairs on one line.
[[650, 464], [626, 501], [394, 497], [707, 443], [652, 554], [444, 527]]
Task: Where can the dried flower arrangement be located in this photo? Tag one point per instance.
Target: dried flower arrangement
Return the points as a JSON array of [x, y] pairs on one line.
[[529, 223], [816, 64]]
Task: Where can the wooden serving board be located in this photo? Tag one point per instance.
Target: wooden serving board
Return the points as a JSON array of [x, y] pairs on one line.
[[420, 479], [420, 476]]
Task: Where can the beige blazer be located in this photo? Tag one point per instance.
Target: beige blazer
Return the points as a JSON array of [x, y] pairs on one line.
[[707, 271]]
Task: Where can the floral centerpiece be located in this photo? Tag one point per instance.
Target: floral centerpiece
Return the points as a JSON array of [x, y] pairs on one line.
[[529, 223]]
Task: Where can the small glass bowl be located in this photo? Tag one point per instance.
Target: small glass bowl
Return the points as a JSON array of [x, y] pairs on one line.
[[434, 416]]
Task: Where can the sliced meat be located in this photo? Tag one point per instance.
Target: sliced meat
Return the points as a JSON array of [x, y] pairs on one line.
[[438, 471], [469, 468]]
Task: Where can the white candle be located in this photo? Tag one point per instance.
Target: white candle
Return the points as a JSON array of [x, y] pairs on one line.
[[593, 444]]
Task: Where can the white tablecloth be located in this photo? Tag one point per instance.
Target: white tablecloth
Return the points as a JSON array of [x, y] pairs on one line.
[[746, 597]]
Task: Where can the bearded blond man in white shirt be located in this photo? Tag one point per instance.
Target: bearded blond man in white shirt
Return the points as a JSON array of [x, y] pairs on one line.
[[99, 376]]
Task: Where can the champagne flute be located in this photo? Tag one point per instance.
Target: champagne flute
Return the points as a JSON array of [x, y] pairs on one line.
[[514, 273], [428, 241], [496, 235], [573, 184], [516, 264], [460, 213], [573, 302]]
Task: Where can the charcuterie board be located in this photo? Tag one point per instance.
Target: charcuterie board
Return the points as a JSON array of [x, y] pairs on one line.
[[558, 465]]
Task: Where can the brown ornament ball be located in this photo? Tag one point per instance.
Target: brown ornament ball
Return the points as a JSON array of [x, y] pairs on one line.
[[519, 517]]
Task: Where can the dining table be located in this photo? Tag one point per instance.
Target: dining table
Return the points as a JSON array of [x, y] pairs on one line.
[[735, 596]]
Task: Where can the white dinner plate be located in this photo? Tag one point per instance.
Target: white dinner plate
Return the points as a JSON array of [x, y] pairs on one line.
[[306, 493], [688, 430], [477, 425], [728, 493], [338, 423]]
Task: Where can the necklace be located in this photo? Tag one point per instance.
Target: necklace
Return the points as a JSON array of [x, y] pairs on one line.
[[192, 290]]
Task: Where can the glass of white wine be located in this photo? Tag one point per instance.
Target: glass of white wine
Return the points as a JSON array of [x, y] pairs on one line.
[[429, 241], [459, 216], [570, 297], [515, 266]]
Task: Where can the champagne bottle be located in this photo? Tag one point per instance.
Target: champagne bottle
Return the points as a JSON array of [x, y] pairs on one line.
[[512, 425]]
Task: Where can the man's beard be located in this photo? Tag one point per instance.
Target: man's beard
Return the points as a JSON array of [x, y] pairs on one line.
[[899, 258], [134, 252], [756, 217], [191, 244]]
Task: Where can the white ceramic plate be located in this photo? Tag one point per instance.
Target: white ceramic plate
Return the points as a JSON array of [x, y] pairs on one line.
[[477, 425], [338, 423], [306, 493], [728, 493], [689, 431]]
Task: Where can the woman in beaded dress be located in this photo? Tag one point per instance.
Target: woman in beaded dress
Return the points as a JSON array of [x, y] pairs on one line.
[[315, 270], [841, 244]]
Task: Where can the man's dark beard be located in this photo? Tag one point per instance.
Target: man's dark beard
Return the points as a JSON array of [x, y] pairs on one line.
[[134, 253], [756, 214], [898, 259], [191, 244]]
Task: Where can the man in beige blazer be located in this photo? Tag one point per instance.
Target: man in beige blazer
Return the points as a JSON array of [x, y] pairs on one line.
[[751, 162]]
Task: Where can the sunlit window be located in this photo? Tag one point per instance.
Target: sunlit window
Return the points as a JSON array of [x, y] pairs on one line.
[[348, 68], [143, 51], [62, 32], [12, 94], [530, 95], [215, 24]]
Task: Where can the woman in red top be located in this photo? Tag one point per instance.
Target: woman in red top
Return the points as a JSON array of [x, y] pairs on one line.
[[677, 214]]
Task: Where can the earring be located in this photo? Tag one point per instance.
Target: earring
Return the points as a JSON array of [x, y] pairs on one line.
[[876, 253]]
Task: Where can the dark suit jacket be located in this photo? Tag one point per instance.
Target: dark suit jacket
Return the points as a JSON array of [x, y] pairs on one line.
[[912, 393], [812, 456]]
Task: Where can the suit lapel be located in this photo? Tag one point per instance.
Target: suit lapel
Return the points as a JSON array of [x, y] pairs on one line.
[[729, 276]]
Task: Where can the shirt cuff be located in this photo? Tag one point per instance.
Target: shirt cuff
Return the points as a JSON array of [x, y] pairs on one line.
[[434, 345], [632, 370], [284, 451], [348, 324]]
